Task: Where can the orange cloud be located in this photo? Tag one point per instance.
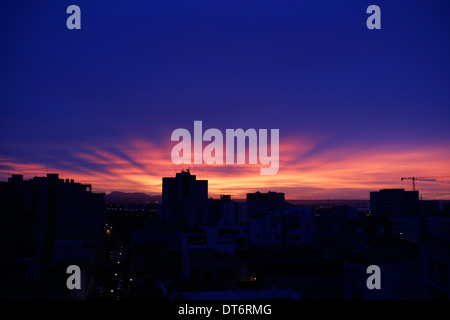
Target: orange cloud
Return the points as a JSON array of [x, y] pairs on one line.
[[306, 171]]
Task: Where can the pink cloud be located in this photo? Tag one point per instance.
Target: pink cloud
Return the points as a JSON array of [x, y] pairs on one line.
[[305, 173]]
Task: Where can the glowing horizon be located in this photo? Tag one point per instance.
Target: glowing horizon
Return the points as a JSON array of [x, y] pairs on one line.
[[356, 109], [344, 172]]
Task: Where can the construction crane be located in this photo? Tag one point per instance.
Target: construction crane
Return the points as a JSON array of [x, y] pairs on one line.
[[414, 179]]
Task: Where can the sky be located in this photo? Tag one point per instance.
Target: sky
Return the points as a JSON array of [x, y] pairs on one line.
[[357, 109]]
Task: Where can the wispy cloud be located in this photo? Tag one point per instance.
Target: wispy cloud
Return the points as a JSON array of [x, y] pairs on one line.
[[307, 170]]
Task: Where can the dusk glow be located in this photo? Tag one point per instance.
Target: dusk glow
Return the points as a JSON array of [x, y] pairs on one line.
[[225, 158], [305, 173], [357, 110]]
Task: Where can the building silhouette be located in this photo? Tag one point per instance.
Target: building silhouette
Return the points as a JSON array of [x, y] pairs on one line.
[[434, 258], [400, 271], [184, 200], [266, 203], [394, 202], [42, 220], [194, 247]]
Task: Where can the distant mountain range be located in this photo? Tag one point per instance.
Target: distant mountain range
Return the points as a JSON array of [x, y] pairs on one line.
[[136, 197]]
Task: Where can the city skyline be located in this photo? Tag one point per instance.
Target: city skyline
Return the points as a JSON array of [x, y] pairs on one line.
[[136, 167], [218, 192], [191, 247], [357, 109]]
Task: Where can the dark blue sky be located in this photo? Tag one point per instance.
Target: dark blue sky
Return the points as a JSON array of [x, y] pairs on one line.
[[140, 69]]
